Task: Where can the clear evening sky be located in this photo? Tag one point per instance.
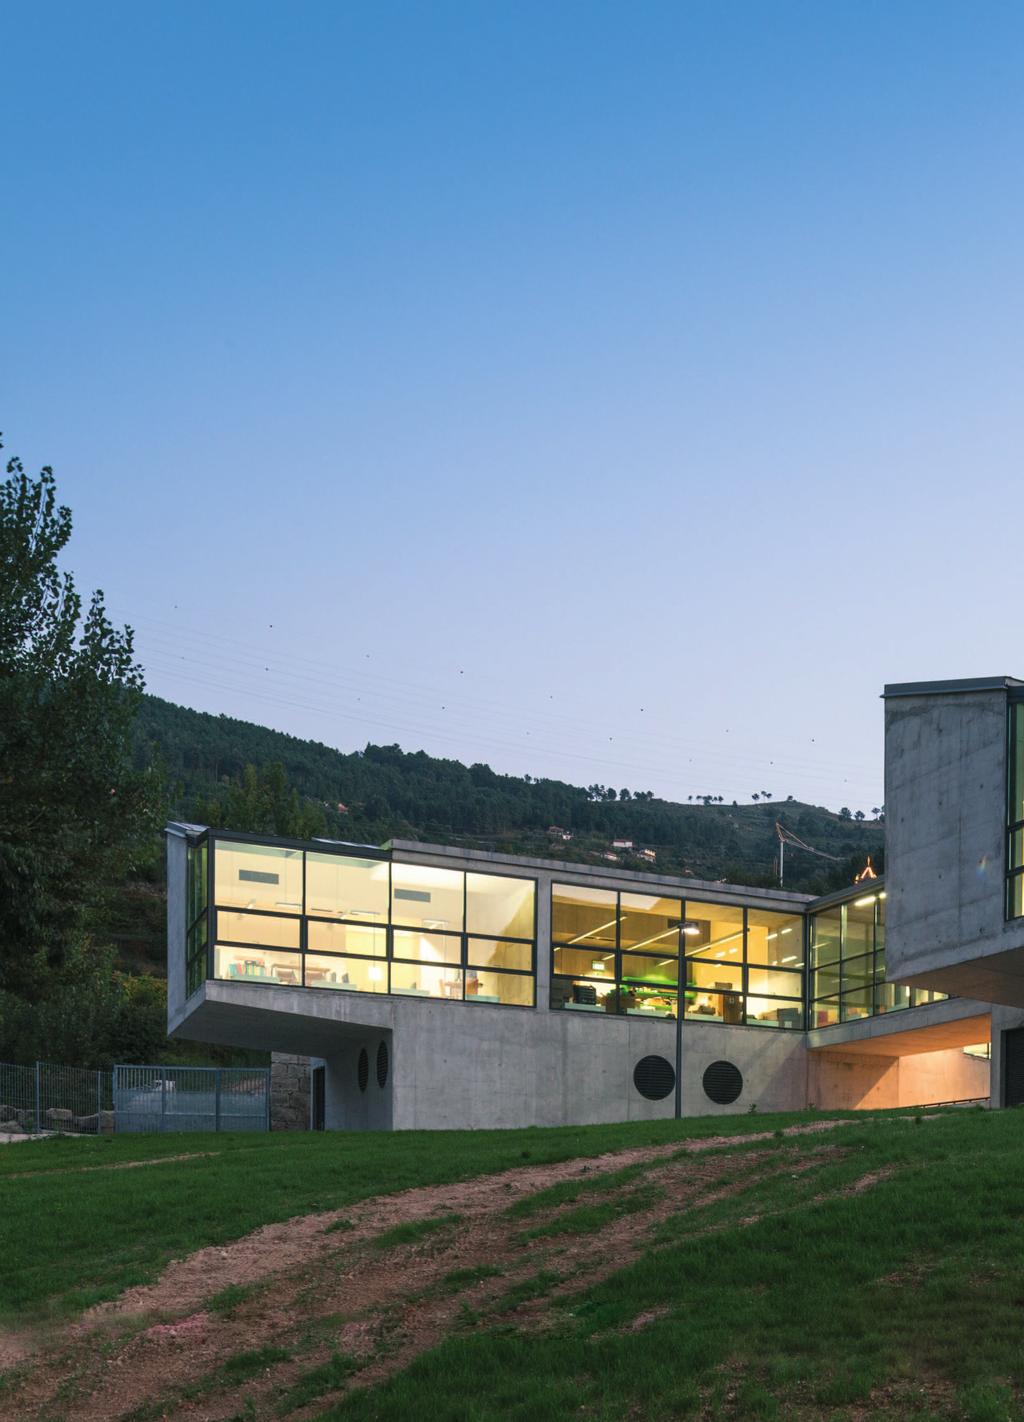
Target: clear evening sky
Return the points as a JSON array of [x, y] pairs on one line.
[[619, 392]]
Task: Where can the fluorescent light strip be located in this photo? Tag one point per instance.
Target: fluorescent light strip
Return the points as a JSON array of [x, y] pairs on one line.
[[590, 931]]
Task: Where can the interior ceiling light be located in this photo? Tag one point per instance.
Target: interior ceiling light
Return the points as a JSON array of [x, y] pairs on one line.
[[591, 931]]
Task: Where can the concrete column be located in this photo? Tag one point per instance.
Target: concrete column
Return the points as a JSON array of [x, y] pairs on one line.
[[543, 941]]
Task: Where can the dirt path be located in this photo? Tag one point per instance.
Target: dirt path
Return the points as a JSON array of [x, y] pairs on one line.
[[317, 1289]]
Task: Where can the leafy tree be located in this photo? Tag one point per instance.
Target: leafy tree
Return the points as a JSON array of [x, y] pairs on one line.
[[260, 801], [74, 812]]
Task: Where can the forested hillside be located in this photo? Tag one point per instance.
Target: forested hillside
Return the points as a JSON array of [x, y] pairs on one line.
[[382, 792]]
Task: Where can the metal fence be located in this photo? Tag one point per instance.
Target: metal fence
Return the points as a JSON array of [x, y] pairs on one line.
[[47, 1097], [153, 1098]]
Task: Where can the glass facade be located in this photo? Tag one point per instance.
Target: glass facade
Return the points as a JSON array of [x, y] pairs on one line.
[[847, 964], [197, 888], [349, 923], [359, 922], [626, 953]]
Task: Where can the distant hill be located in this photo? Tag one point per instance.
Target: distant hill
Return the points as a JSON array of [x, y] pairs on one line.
[[383, 792]]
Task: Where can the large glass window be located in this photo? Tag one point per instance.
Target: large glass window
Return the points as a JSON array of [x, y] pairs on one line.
[[435, 979], [265, 928], [257, 965], [848, 963], [649, 922], [498, 953], [826, 936], [512, 989], [499, 907], [713, 931], [775, 939], [585, 917], [428, 898], [427, 947], [361, 938], [613, 952], [346, 922], [619, 953], [256, 876], [713, 938], [196, 915], [338, 887], [346, 974]]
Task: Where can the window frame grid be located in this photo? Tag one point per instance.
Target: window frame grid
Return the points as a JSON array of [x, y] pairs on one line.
[[620, 985], [303, 951]]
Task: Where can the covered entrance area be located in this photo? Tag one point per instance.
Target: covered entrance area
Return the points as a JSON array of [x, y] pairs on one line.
[[891, 1063]]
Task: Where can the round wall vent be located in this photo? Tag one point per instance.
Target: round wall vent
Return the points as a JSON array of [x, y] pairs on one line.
[[723, 1083], [382, 1065], [363, 1070], [654, 1077]]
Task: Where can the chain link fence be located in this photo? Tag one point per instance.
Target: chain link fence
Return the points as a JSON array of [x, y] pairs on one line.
[[46, 1097]]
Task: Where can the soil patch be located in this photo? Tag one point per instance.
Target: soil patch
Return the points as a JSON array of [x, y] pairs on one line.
[[324, 1290]]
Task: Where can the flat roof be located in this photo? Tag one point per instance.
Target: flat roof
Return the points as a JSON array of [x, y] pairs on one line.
[[950, 688], [607, 875]]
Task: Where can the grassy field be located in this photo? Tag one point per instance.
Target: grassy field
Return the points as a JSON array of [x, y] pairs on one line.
[[872, 1271], [105, 1231]]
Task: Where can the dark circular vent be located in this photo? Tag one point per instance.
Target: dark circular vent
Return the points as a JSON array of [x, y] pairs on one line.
[[723, 1083], [382, 1065], [654, 1077], [363, 1072]]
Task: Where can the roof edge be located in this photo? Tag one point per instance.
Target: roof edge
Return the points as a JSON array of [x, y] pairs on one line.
[[949, 688]]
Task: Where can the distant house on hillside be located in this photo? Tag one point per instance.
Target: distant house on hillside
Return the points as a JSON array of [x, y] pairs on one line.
[[649, 854], [557, 832], [612, 858], [622, 844]]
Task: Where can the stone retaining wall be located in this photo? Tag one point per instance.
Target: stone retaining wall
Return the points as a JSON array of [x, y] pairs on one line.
[[289, 1092]]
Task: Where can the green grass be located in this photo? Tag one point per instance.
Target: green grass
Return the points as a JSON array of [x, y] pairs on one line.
[[228, 1300], [913, 1283], [460, 1279], [250, 1364], [587, 1218], [314, 1383], [107, 1230], [412, 1231], [535, 1287], [567, 1192]]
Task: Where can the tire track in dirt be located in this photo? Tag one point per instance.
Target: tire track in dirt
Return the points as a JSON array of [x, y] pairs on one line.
[[368, 1297]]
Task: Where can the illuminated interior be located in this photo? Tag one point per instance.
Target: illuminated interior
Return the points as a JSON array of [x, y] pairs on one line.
[[347, 923], [339, 921], [847, 964]]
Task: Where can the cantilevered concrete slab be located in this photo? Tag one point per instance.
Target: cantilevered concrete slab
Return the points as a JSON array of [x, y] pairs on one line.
[[934, 1028]]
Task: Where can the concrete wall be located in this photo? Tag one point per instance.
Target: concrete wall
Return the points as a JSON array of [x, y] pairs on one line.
[[348, 1108], [871, 1082], [773, 1065], [945, 796]]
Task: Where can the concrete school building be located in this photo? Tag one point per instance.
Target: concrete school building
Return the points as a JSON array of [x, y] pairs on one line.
[[433, 987]]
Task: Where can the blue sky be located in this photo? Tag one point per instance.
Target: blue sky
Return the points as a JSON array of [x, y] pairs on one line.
[[616, 392]]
